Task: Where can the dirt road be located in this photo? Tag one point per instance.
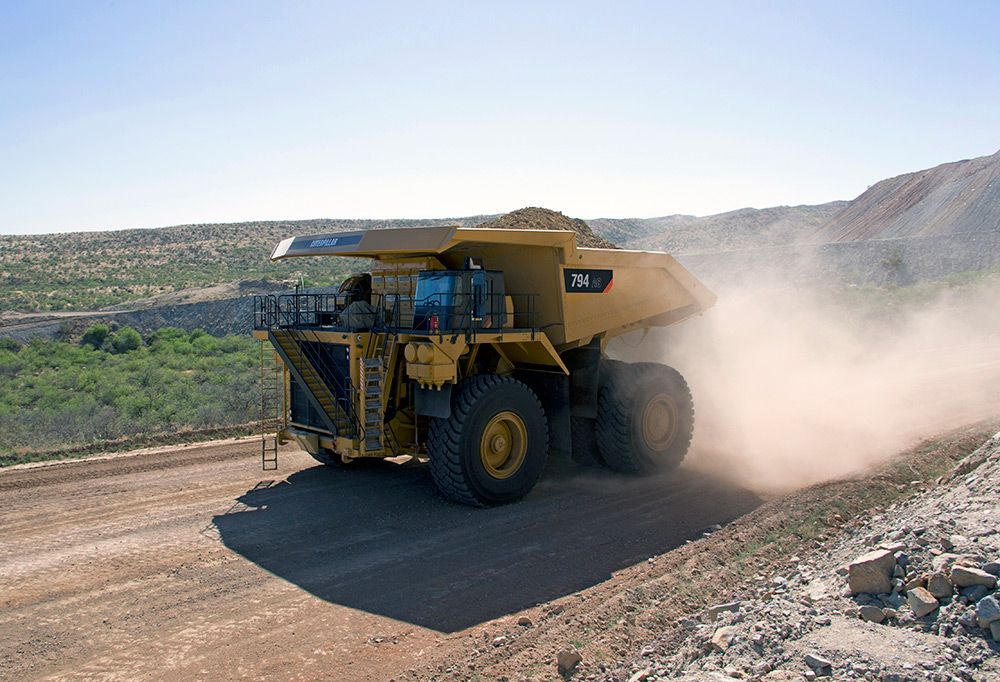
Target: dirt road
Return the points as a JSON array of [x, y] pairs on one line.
[[195, 564]]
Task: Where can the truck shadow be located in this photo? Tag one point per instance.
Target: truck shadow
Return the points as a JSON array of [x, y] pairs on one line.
[[381, 539]]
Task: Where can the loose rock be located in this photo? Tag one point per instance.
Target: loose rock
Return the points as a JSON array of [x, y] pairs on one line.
[[783, 676], [987, 612], [943, 561], [568, 660], [641, 676], [966, 576], [723, 638], [730, 607], [974, 593], [872, 572], [921, 601], [939, 585], [816, 662], [872, 614]]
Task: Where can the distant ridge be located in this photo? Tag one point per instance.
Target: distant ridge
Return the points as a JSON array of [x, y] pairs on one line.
[[744, 228], [963, 196], [88, 271]]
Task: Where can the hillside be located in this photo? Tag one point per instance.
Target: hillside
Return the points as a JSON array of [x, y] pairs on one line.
[[171, 265], [744, 228], [88, 270], [952, 198]]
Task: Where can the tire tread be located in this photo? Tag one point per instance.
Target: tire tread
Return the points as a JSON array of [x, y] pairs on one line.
[[444, 438]]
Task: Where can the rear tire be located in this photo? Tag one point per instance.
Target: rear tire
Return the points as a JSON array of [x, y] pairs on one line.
[[493, 447], [645, 417]]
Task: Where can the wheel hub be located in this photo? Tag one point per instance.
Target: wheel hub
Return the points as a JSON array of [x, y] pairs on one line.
[[504, 445], [659, 422]]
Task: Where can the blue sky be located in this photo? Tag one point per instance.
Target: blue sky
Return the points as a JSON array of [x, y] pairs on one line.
[[141, 114]]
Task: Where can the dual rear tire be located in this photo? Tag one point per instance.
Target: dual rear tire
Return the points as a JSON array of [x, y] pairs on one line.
[[493, 447], [645, 418]]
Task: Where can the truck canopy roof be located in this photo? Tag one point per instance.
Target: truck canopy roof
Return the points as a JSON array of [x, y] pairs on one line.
[[415, 241]]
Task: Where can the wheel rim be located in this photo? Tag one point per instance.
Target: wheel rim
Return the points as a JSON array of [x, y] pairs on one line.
[[659, 422], [504, 445]]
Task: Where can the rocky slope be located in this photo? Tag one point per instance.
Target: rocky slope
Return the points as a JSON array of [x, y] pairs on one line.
[[741, 229], [958, 197], [905, 594]]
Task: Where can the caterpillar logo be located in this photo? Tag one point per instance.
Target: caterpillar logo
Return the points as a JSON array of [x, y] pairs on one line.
[[325, 241], [315, 243], [580, 281]]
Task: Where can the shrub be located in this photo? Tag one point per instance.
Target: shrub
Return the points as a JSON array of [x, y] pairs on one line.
[[125, 340], [95, 335], [60, 393]]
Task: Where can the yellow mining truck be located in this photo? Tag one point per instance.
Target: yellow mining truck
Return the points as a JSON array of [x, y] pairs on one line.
[[482, 352]]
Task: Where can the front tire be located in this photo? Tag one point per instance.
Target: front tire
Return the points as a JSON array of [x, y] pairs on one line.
[[493, 447], [645, 417]]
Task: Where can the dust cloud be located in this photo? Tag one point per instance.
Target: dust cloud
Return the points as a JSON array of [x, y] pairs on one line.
[[795, 385]]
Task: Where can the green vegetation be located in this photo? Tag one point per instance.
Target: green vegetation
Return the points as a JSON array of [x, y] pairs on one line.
[[89, 270], [890, 301], [115, 385]]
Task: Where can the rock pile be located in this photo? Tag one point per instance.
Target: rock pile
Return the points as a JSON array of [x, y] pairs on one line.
[[546, 219], [948, 591]]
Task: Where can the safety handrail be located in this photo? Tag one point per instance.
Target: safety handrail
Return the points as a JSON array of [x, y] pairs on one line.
[[341, 384], [396, 313]]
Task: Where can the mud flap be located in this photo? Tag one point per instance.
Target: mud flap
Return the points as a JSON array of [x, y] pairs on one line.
[[552, 389], [429, 402], [584, 365]]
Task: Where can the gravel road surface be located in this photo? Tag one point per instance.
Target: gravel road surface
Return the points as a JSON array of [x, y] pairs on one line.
[[196, 564]]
